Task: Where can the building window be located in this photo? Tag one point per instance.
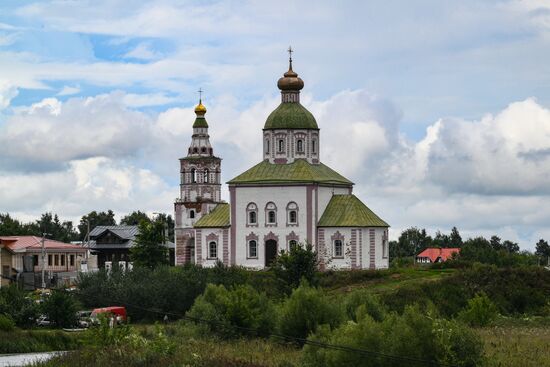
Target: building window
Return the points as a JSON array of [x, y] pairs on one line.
[[50, 260], [281, 145], [212, 250], [267, 146], [313, 146], [62, 260], [252, 249], [35, 260], [300, 146], [56, 260], [252, 214], [71, 260], [206, 173], [195, 150], [191, 214], [292, 213], [338, 250], [193, 175], [271, 214], [203, 150], [292, 244]]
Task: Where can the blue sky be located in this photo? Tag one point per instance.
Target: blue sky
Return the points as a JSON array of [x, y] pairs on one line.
[[443, 105]]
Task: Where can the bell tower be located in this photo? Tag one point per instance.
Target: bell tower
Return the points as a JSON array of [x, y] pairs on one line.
[[200, 186]]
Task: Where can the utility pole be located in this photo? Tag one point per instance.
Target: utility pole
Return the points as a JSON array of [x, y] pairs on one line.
[[44, 261]]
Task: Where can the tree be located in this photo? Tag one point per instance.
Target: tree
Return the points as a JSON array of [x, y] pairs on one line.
[[455, 238], [495, 243], [442, 240], [95, 219], [511, 247], [61, 308], [411, 242], [149, 250], [168, 225], [543, 250], [134, 218], [10, 226], [299, 262]]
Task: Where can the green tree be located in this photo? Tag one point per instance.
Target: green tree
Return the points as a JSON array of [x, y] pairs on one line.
[[496, 243], [168, 225], [96, 219], [411, 242], [481, 311], [134, 218], [57, 230], [299, 262], [455, 238], [61, 308], [511, 247], [543, 250], [10, 226], [149, 250]]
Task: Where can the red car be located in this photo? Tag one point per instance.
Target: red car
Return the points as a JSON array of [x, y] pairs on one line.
[[117, 313]]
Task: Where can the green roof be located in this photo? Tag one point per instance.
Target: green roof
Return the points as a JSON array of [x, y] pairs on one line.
[[349, 211], [299, 171], [219, 217], [200, 122], [290, 115]]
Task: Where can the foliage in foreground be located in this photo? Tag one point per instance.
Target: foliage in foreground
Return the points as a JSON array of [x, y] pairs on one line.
[[480, 311], [15, 304], [240, 307], [300, 262], [61, 308], [413, 336], [19, 341]]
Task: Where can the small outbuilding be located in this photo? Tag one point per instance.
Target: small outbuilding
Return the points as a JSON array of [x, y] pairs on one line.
[[436, 255]]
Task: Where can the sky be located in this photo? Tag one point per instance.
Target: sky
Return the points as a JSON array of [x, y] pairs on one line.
[[439, 111]]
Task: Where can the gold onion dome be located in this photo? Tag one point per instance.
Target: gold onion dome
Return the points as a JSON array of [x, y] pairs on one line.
[[200, 109], [290, 81]]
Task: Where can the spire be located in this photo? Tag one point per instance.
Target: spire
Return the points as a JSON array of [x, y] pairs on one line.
[[200, 110], [290, 84], [290, 51]]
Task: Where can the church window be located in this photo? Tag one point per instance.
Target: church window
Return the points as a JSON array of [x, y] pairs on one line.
[[292, 213], [267, 146], [193, 175], [192, 214], [195, 150], [206, 174], [271, 213], [313, 147], [203, 150], [281, 145], [338, 250], [300, 146], [292, 244], [212, 250], [252, 214], [252, 249]]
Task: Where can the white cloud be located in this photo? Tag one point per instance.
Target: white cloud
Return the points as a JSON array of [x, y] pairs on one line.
[[7, 93], [142, 51], [68, 90]]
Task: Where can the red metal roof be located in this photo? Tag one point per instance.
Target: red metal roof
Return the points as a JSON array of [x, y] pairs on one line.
[[433, 253], [33, 243]]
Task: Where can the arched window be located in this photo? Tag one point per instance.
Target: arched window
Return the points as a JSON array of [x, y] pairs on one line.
[[338, 250], [203, 150], [271, 214], [193, 175], [212, 250], [195, 150], [292, 213], [267, 146], [206, 175], [252, 214], [252, 248], [300, 146], [281, 145], [313, 147], [191, 214], [292, 244]]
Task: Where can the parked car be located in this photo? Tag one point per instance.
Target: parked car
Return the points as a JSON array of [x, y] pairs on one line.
[[116, 314], [84, 318], [43, 320]]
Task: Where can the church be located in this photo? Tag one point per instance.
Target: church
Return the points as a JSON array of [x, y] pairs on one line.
[[288, 199]]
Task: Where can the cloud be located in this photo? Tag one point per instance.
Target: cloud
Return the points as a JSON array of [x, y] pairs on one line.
[[7, 93], [68, 91], [142, 51]]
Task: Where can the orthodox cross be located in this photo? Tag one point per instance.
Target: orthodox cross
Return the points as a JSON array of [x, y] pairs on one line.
[[200, 94]]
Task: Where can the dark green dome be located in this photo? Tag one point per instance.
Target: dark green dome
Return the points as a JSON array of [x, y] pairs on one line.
[[290, 116]]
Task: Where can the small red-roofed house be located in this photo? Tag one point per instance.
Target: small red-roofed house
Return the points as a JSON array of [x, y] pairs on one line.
[[60, 258], [436, 255]]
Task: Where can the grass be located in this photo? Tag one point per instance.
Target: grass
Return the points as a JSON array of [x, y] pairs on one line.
[[516, 346], [27, 341]]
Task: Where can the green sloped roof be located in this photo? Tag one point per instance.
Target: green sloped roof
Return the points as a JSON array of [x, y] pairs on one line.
[[290, 116], [200, 122], [219, 217], [349, 211], [298, 171]]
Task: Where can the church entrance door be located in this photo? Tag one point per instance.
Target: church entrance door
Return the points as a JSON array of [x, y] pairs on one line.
[[270, 252]]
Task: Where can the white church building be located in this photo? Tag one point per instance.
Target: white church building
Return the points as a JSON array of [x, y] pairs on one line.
[[287, 199]]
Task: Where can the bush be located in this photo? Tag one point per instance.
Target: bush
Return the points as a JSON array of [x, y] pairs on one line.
[[480, 311], [61, 308], [16, 304], [368, 302], [228, 310], [300, 262], [306, 309], [411, 336], [6, 323]]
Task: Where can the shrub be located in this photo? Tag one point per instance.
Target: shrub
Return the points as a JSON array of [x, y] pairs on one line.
[[299, 262], [479, 312], [306, 309], [16, 304], [228, 310], [6, 323], [369, 303], [411, 336], [61, 308]]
